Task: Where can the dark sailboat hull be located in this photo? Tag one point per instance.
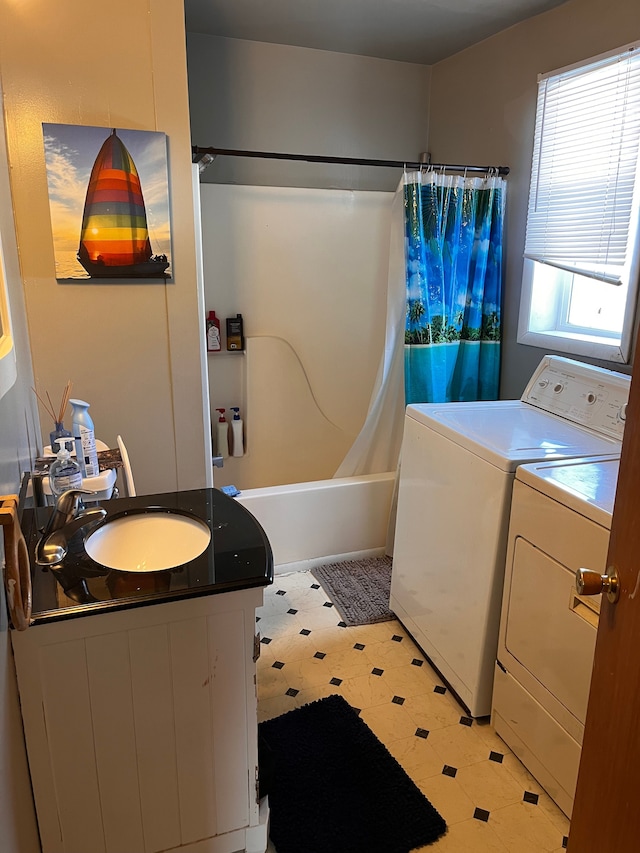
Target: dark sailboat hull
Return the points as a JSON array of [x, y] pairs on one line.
[[148, 269]]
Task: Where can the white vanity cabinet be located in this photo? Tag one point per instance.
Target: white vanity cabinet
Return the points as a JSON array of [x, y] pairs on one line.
[[141, 728]]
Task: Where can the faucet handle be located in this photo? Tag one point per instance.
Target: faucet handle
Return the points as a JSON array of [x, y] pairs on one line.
[[67, 502], [66, 508]]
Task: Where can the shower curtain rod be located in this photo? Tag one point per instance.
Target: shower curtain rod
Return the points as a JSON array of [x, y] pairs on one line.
[[201, 155]]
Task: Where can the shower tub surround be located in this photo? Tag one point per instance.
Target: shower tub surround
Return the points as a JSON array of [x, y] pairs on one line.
[[303, 400]]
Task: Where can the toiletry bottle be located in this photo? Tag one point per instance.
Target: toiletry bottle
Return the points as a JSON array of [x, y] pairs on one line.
[[85, 439], [65, 472], [213, 333], [235, 333], [222, 442], [237, 443]]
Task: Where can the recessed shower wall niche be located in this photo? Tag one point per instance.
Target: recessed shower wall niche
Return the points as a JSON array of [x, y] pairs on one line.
[[227, 388]]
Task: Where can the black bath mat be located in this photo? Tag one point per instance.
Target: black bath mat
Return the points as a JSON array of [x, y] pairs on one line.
[[334, 787], [360, 589]]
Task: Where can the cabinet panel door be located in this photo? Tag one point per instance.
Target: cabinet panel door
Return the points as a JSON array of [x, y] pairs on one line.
[[67, 711], [228, 692], [155, 736], [192, 675], [115, 741]]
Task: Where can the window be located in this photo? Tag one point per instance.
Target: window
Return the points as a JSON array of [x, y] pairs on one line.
[[582, 249]]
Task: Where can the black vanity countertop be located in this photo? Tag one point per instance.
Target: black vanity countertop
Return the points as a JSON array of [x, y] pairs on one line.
[[239, 557]]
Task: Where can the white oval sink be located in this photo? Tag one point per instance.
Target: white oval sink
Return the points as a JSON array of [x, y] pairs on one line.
[[148, 541]]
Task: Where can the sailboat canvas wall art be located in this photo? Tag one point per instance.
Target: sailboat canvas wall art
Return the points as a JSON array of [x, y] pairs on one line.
[[109, 203]]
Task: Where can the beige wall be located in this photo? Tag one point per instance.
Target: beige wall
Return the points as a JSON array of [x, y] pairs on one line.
[[274, 97], [483, 103], [132, 350]]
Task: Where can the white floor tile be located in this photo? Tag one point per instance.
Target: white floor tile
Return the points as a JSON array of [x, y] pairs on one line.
[[432, 710], [389, 722], [524, 827]]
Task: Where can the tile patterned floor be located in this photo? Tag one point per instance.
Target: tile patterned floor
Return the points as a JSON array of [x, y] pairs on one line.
[[488, 799]]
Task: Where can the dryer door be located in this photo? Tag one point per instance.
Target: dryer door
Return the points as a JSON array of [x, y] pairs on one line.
[[551, 631]]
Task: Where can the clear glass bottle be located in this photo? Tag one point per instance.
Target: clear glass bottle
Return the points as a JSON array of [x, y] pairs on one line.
[[65, 472]]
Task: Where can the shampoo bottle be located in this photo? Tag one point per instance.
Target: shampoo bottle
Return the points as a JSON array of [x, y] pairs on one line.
[[236, 433], [222, 435], [65, 472], [85, 439], [213, 333]]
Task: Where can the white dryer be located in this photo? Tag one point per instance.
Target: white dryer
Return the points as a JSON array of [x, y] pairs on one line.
[[454, 498], [560, 522]]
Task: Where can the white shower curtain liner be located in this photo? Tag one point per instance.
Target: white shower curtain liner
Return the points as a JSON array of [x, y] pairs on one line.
[[377, 447]]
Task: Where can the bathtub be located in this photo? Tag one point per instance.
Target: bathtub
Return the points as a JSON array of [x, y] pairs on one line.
[[324, 520]]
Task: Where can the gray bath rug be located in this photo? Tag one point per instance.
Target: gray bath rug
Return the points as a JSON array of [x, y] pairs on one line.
[[359, 589]]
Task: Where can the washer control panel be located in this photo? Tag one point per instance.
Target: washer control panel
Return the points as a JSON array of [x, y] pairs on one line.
[[581, 393]]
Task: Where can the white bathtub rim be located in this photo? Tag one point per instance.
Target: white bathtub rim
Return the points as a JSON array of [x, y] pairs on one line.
[[314, 486]]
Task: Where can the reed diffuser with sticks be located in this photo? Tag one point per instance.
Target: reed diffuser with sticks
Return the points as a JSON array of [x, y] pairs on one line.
[[58, 417]]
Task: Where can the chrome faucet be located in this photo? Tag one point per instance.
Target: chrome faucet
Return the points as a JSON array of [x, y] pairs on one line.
[[65, 520]]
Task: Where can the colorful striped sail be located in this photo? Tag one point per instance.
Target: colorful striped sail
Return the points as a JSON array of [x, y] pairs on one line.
[[114, 239]]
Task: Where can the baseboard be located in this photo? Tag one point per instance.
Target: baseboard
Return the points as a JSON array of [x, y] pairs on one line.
[[306, 565]]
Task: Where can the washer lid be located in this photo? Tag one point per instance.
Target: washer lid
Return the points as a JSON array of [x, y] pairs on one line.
[[509, 433], [587, 486]]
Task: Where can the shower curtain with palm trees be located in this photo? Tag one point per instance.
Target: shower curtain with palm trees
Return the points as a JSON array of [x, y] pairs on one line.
[[453, 255], [442, 337]]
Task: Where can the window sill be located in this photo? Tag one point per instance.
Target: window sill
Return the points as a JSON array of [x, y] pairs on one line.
[[591, 346]]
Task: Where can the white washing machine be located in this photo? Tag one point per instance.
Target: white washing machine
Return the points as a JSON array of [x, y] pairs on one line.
[[560, 522], [456, 477]]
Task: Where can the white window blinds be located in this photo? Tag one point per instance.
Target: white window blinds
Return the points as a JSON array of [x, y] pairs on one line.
[[582, 208]]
